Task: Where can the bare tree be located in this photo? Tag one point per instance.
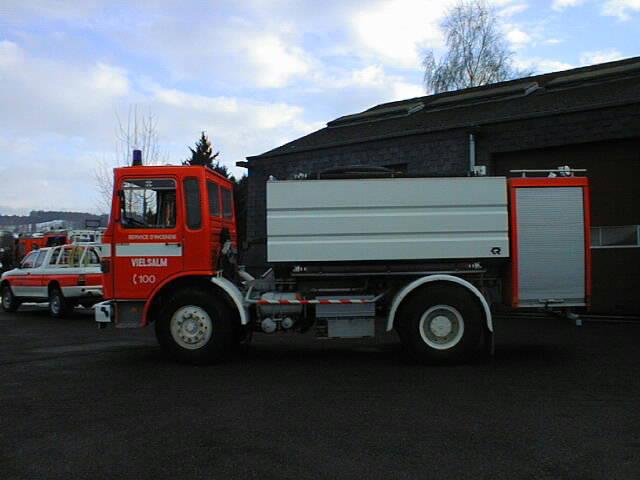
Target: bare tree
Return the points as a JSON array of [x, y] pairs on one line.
[[103, 177], [138, 131], [477, 52]]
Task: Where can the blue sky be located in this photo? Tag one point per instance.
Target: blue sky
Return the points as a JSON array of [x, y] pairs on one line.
[[253, 74]]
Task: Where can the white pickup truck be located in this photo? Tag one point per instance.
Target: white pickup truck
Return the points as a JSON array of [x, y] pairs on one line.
[[65, 276]]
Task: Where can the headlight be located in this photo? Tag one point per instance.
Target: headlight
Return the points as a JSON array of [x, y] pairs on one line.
[[1, 250]]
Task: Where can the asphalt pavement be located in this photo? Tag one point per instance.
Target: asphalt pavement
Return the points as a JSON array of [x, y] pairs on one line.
[[556, 401]]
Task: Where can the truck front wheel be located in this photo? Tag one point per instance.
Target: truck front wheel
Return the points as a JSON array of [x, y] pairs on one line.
[[195, 327], [441, 324], [9, 302]]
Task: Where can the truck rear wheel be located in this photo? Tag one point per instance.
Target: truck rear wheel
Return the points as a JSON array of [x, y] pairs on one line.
[[441, 324], [195, 327], [9, 302], [58, 305]]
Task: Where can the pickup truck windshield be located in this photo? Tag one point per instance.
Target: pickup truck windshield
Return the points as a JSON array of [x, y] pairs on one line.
[[29, 260], [148, 203]]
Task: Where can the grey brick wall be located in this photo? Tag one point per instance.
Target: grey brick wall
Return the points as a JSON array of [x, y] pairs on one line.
[[443, 153]]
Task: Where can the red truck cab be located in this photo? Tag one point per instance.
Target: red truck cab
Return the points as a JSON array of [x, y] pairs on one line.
[[160, 216]]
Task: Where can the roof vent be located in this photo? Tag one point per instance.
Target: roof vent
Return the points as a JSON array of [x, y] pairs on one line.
[[583, 76], [378, 113], [485, 94]]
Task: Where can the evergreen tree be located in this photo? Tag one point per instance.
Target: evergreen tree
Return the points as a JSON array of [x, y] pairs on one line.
[[203, 153], [223, 170]]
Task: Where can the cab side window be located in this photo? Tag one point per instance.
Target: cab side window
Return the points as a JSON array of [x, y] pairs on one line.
[[92, 258], [227, 203], [64, 257], [213, 192], [39, 260], [192, 197], [55, 255]]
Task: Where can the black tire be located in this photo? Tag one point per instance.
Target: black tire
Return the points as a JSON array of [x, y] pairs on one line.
[[446, 300], [9, 302], [204, 351], [59, 307]]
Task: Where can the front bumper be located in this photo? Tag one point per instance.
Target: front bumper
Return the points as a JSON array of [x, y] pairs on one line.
[[103, 312]]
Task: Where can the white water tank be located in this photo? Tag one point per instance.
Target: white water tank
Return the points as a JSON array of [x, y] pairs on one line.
[[387, 219]]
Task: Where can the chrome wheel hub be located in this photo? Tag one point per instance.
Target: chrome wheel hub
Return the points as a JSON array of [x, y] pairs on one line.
[[441, 327], [191, 327], [55, 304]]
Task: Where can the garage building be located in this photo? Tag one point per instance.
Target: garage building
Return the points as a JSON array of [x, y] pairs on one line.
[[586, 118]]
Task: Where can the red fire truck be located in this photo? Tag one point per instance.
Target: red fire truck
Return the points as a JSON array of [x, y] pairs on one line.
[[29, 242], [34, 241], [429, 256]]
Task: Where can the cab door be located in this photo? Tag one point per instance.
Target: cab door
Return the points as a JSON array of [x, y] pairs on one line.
[[148, 238], [215, 220], [25, 281]]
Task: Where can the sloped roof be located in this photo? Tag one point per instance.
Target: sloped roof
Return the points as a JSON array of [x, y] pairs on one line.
[[570, 90]]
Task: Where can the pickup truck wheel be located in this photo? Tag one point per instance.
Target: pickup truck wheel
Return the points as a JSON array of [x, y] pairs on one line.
[[58, 305], [9, 302], [441, 324], [195, 327]]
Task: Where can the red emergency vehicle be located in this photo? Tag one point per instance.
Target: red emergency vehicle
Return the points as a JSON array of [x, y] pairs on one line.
[[28, 243], [64, 276], [429, 257]]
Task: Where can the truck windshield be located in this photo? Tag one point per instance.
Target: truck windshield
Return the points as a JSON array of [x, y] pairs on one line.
[[29, 260], [148, 203]]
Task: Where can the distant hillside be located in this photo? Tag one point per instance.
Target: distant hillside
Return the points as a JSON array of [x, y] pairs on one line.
[[75, 219]]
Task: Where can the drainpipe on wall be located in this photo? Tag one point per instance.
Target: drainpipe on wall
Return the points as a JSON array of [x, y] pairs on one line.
[[472, 154], [474, 170]]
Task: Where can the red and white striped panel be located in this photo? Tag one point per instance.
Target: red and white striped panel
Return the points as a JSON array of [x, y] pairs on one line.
[[315, 302]]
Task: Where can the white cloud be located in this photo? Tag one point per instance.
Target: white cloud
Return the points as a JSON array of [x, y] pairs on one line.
[[379, 86], [512, 10], [110, 79], [371, 75], [395, 31], [59, 180], [553, 41], [517, 37], [58, 97], [183, 100], [621, 8], [246, 113], [562, 4], [242, 71], [542, 65], [68, 110], [404, 90], [10, 54], [600, 56], [275, 62]]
